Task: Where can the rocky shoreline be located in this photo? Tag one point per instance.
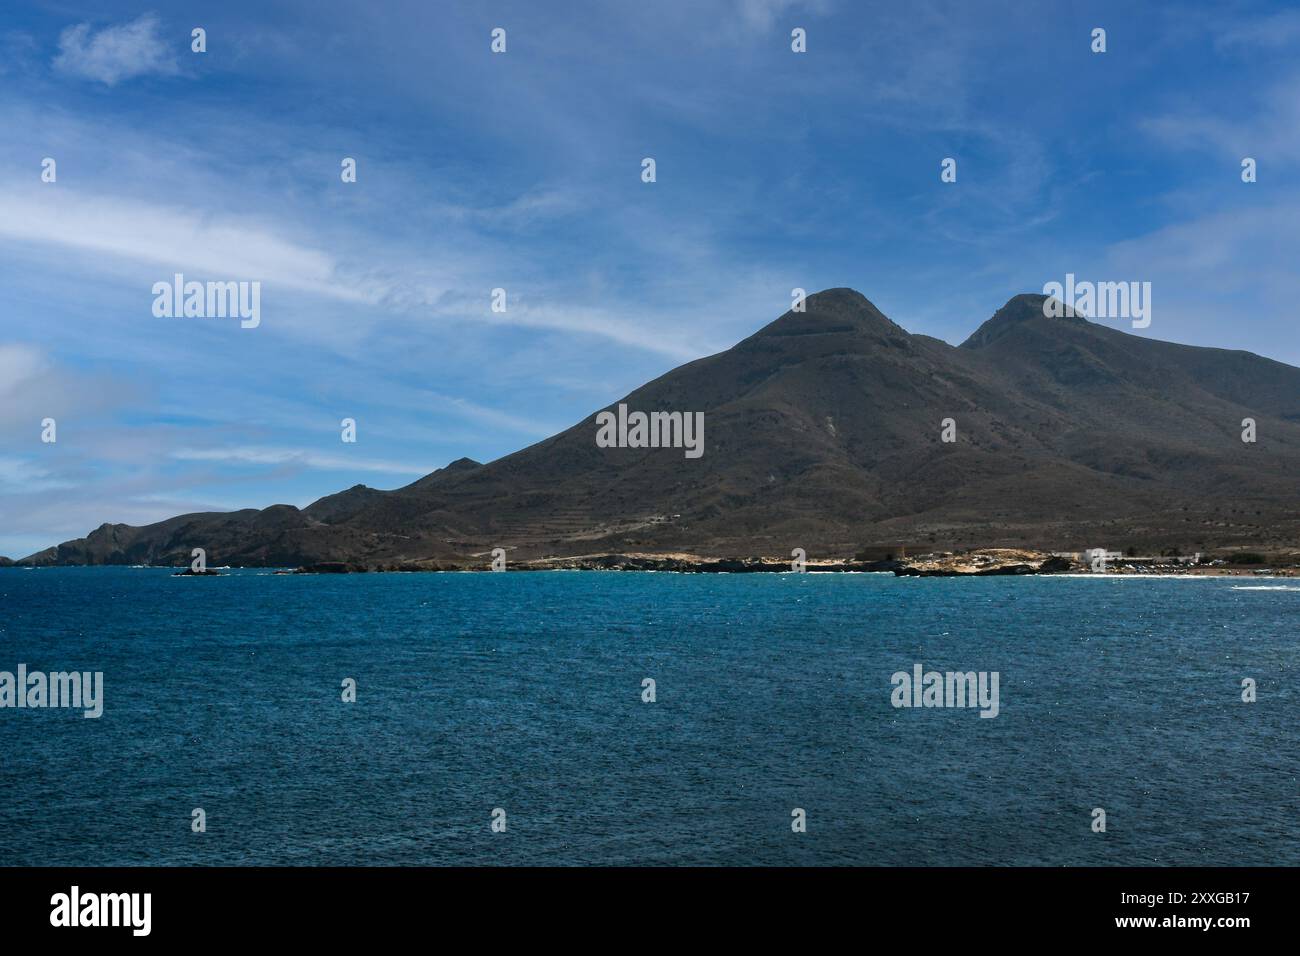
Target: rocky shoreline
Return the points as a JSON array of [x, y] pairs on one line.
[[977, 563]]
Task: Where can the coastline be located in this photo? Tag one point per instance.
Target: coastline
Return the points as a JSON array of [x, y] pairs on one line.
[[989, 562], [980, 562]]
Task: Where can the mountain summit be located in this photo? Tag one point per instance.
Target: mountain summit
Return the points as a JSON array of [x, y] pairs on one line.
[[825, 430], [1024, 308]]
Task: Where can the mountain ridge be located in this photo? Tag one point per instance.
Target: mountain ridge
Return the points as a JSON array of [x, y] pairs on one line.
[[823, 431]]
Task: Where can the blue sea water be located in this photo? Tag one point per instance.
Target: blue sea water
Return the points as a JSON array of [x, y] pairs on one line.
[[522, 691]]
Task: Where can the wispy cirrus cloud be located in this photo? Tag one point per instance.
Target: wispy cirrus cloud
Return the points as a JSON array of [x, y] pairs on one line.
[[1248, 35], [1268, 128], [224, 246], [169, 237], [763, 14], [262, 455], [18, 364]]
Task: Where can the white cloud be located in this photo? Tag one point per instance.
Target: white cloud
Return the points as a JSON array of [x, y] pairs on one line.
[[115, 53], [642, 334], [21, 473], [34, 386], [174, 238], [18, 51], [1248, 252], [761, 14], [18, 364], [264, 455], [1268, 129], [473, 411], [1248, 34]]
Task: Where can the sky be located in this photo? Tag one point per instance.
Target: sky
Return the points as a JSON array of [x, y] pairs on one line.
[[522, 171]]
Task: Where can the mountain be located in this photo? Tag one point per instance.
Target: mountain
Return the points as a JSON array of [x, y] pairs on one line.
[[823, 431]]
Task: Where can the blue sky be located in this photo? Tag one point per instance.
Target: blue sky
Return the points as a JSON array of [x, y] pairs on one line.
[[522, 171]]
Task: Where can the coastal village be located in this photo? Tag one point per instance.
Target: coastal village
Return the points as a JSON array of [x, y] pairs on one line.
[[980, 562]]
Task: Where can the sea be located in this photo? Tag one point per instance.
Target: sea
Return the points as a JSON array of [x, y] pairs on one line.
[[649, 719]]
